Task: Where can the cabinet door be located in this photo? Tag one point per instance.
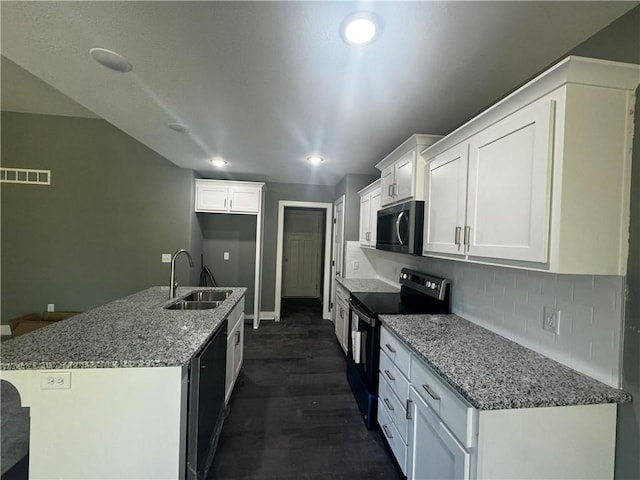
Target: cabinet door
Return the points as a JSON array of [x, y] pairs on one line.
[[211, 197], [341, 324], [446, 201], [229, 377], [510, 186], [244, 199], [405, 167], [433, 452], [373, 226], [238, 347], [387, 180], [365, 220], [344, 310]]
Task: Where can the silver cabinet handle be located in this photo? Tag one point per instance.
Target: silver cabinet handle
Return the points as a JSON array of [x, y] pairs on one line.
[[390, 348], [238, 337], [457, 236], [393, 189], [387, 432], [402, 214], [230, 203], [430, 391], [388, 404], [390, 190], [225, 203], [391, 377], [409, 402], [467, 235]]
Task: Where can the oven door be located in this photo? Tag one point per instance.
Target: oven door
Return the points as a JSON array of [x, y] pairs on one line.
[[363, 360]]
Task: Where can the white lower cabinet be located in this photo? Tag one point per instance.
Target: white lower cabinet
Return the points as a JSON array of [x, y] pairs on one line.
[[342, 317], [434, 452], [235, 348], [448, 439]]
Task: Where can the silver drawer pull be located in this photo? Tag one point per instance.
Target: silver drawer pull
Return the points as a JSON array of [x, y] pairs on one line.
[[391, 377], [430, 391], [388, 403], [238, 337], [408, 415], [390, 348], [387, 432]]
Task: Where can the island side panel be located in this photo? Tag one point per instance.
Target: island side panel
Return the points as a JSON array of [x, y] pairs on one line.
[[549, 442], [120, 423]]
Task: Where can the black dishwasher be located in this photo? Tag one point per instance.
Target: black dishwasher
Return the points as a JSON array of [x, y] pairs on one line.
[[206, 403]]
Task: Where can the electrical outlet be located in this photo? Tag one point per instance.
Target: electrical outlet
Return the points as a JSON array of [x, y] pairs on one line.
[[55, 380], [356, 264], [51, 307], [166, 258], [226, 255], [551, 320]]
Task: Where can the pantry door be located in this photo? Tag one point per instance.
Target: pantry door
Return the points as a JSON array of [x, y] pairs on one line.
[[302, 253]]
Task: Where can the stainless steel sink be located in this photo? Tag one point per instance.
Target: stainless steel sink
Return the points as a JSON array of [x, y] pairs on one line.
[[194, 305], [208, 296]]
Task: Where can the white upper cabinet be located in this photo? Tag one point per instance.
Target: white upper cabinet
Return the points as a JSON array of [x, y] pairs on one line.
[[369, 206], [540, 180], [401, 172], [222, 196], [445, 201]]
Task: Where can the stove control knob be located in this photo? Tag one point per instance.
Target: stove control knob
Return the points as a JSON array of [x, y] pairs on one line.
[[434, 286]]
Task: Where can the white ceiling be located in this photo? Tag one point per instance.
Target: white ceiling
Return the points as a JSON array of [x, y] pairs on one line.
[[264, 84]]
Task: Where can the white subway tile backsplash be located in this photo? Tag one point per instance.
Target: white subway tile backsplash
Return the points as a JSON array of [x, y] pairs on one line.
[[510, 302]]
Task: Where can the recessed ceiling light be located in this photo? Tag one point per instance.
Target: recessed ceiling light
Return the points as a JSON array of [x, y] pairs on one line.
[[359, 28], [315, 160], [218, 162], [111, 60], [178, 127]]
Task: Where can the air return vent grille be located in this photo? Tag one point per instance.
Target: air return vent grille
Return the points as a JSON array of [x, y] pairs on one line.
[[25, 175]]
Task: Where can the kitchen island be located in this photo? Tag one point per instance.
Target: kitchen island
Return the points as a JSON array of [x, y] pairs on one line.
[[108, 389]]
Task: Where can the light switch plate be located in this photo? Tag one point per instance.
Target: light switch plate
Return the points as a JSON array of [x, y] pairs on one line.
[[166, 258], [226, 255], [51, 307]]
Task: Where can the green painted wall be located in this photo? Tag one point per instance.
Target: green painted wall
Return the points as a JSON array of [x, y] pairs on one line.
[[235, 234], [620, 41], [98, 231], [276, 192]]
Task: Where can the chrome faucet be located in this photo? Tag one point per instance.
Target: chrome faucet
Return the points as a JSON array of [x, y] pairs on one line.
[[174, 283]]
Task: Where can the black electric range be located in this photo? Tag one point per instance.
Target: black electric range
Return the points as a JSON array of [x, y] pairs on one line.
[[419, 293]]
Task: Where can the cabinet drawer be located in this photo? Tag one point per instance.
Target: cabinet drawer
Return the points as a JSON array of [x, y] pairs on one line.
[[394, 377], [395, 407], [395, 441], [342, 294], [396, 350], [455, 413]]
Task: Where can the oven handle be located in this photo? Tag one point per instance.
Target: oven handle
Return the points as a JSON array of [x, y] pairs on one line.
[[361, 315]]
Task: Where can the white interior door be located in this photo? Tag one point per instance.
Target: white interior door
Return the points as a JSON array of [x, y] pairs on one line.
[[338, 241], [302, 254]]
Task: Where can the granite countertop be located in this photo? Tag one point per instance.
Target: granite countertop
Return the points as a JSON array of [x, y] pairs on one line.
[[492, 372], [367, 285], [135, 331]]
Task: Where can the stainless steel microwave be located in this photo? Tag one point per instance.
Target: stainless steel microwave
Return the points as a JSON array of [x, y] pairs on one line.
[[400, 228]]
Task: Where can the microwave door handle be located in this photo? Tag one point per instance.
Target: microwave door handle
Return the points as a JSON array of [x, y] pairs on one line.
[[402, 214]]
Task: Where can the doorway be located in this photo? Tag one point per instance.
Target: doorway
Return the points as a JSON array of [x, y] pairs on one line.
[[303, 260]]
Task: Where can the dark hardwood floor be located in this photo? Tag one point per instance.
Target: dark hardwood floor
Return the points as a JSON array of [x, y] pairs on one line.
[[292, 415]]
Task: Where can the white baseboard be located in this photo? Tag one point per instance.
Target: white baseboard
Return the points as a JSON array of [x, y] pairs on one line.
[[5, 330], [263, 316]]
